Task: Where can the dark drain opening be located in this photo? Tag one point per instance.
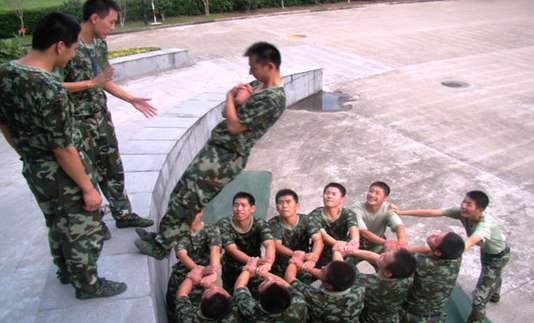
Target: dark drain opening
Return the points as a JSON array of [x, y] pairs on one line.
[[323, 102], [455, 84]]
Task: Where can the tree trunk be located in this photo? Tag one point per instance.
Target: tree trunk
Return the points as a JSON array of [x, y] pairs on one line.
[[206, 7]]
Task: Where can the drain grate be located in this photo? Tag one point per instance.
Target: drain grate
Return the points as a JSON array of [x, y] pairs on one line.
[[455, 84]]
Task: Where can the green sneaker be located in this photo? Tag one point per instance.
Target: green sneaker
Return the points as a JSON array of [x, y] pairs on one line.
[[102, 288], [145, 235], [133, 220], [152, 248], [107, 233]]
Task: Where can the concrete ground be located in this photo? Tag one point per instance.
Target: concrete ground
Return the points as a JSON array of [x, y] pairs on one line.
[[429, 142]]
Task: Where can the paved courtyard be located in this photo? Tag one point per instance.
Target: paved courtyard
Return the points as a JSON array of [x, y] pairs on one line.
[[431, 143]]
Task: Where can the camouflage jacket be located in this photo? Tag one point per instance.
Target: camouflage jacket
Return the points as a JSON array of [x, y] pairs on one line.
[[258, 113], [433, 283], [249, 242], [295, 238], [326, 306], [337, 228], [90, 59], [383, 298], [37, 111]]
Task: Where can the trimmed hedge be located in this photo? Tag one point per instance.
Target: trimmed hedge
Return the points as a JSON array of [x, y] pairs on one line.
[[10, 24]]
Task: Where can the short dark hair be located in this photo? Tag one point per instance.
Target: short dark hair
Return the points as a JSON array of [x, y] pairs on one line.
[[338, 186], [244, 195], [452, 246], [275, 298], [216, 307], [403, 264], [480, 198], [265, 53], [341, 275], [285, 192], [55, 27], [383, 186], [100, 7]]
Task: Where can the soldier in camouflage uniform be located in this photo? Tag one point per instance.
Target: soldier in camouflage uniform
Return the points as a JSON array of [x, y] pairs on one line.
[[36, 120], [86, 77], [242, 237], [483, 231], [336, 221], [215, 306], [437, 269], [225, 154], [339, 299], [200, 247], [293, 231], [278, 302], [386, 290], [374, 217]]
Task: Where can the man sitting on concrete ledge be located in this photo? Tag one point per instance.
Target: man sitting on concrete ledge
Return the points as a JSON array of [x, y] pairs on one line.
[[225, 154]]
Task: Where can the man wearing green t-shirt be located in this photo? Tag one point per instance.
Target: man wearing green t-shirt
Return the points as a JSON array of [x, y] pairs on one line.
[[374, 218], [483, 231]]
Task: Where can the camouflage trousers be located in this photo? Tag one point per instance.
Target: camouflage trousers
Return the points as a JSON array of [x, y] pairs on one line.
[[208, 173], [75, 236], [489, 282], [432, 317], [178, 274], [102, 148]]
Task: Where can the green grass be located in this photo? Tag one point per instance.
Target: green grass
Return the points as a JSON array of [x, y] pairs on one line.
[[29, 4], [139, 25]]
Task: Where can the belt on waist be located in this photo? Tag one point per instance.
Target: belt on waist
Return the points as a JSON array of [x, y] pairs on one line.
[[497, 255], [88, 116]]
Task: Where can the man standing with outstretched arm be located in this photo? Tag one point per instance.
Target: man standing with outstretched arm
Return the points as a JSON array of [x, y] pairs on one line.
[[483, 231], [225, 154], [87, 77]]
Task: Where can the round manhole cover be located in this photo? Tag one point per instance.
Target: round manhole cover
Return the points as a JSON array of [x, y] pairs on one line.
[[455, 84], [296, 36]]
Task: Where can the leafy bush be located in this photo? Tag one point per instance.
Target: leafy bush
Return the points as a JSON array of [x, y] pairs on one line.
[[12, 48], [73, 8]]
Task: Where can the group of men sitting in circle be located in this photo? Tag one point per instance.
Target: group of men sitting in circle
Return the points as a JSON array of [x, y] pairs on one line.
[[410, 284]]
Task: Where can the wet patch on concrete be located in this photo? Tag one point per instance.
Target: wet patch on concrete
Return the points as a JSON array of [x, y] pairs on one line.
[[456, 84], [324, 102]]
